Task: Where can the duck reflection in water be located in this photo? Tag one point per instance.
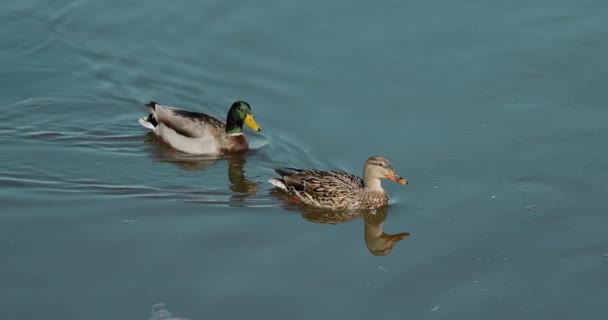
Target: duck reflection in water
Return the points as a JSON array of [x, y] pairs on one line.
[[378, 242], [239, 183]]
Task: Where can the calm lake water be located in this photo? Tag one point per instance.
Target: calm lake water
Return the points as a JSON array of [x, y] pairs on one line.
[[495, 111]]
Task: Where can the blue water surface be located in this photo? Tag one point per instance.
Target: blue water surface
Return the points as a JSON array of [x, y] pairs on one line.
[[494, 111]]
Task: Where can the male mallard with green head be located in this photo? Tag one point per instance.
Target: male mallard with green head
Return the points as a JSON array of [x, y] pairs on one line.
[[336, 190], [199, 133]]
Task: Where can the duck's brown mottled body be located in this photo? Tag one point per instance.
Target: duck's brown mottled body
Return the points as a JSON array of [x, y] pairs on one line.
[[336, 190]]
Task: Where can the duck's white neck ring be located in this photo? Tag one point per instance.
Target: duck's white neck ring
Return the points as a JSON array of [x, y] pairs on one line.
[[235, 134]]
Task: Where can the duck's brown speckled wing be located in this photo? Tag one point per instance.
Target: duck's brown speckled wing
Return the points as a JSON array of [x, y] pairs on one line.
[[188, 123], [322, 186]]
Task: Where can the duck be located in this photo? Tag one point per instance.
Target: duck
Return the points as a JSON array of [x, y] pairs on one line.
[[199, 133], [338, 190]]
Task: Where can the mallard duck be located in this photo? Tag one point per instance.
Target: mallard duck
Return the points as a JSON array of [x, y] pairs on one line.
[[336, 190], [199, 133]]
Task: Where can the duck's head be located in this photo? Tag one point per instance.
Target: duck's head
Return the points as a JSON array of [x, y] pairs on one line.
[[377, 167], [239, 113]]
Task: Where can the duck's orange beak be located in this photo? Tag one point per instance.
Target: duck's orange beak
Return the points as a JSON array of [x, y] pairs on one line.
[[392, 176]]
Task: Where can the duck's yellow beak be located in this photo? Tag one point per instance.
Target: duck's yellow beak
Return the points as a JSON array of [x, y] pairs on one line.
[[394, 177], [251, 123]]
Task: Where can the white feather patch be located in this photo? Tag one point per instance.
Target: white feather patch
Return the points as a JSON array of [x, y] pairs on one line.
[[277, 183], [146, 123], [203, 145]]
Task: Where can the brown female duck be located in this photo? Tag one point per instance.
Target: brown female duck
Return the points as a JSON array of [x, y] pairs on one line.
[[336, 190]]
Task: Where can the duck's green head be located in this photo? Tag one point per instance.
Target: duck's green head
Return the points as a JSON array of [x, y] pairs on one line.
[[239, 113]]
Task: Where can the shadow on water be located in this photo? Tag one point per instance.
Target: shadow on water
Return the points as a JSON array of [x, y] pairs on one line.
[[239, 183], [378, 242], [240, 187]]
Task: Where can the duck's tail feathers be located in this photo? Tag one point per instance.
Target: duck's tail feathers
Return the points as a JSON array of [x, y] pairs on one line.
[[149, 121], [279, 183], [146, 123], [151, 105], [287, 171]]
